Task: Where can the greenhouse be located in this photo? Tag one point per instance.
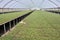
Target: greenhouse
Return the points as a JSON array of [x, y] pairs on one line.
[[29, 19]]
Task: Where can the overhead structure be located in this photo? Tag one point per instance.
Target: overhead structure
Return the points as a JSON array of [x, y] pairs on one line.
[[32, 3], [1, 1], [53, 3], [21, 3], [58, 1], [7, 3], [11, 5], [41, 3], [16, 1]]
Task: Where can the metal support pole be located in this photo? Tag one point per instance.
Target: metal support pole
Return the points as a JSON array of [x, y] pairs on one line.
[[14, 22], [4, 29], [10, 25]]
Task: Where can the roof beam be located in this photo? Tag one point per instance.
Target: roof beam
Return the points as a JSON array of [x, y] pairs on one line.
[[1, 1], [32, 2], [16, 1], [58, 1], [7, 3], [41, 3], [53, 3]]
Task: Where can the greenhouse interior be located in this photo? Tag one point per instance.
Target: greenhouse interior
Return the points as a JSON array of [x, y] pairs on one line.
[[29, 19]]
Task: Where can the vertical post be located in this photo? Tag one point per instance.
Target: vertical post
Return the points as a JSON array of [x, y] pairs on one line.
[[18, 20], [4, 29], [10, 25], [14, 22]]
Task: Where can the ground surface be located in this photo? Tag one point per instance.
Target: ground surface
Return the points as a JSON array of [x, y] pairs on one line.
[[39, 25]]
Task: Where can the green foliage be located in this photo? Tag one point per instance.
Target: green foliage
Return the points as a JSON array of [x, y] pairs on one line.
[[40, 25], [10, 16]]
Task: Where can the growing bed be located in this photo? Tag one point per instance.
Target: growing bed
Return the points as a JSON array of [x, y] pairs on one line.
[[10, 16], [40, 25]]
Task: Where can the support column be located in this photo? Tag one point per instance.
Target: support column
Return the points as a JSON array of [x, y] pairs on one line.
[[4, 29], [10, 25], [18, 20], [14, 22]]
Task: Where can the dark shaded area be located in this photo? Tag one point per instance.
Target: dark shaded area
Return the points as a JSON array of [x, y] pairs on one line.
[[54, 12], [15, 22], [7, 26], [12, 23], [1, 30], [9, 12]]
